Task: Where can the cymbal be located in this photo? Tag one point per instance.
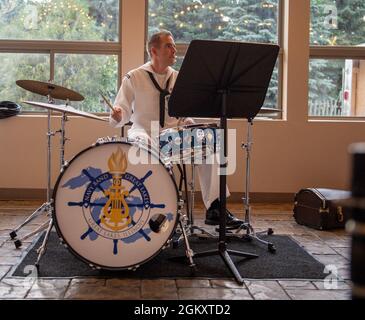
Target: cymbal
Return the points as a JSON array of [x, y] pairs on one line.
[[269, 110], [46, 88], [65, 109]]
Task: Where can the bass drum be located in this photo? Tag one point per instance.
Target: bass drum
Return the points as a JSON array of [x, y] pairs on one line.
[[115, 205]]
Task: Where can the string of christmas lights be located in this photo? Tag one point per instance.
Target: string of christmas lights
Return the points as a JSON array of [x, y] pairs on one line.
[[225, 19], [50, 7]]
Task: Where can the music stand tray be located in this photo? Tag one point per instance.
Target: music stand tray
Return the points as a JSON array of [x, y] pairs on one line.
[[223, 79]]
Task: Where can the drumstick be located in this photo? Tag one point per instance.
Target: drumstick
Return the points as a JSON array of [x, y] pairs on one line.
[[107, 101]]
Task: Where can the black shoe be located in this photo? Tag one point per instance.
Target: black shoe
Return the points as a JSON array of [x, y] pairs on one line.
[[212, 217]]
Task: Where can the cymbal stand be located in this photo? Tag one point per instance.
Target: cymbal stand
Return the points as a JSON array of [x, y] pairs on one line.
[[63, 138], [189, 253], [42, 249], [192, 194], [47, 206], [247, 226]]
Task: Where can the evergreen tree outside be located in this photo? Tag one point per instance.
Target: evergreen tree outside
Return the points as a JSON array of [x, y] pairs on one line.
[[64, 20], [232, 20], [351, 22], [16, 66]]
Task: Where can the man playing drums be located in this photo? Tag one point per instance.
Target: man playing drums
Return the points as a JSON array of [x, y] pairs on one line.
[[142, 99]]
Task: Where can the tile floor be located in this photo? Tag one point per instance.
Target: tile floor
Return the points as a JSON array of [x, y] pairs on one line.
[[331, 248]]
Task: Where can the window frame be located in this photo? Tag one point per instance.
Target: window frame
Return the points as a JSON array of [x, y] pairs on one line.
[[335, 52], [53, 47]]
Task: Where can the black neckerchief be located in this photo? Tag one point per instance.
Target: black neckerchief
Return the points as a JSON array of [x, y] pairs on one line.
[[163, 93]]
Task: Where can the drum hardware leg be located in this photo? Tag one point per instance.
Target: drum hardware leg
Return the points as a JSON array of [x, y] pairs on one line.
[[189, 252], [183, 179], [247, 226], [19, 242], [187, 227], [63, 138], [203, 233], [191, 227], [252, 235], [42, 249], [192, 194], [179, 233], [188, 220], [188, 209], [44, 207]]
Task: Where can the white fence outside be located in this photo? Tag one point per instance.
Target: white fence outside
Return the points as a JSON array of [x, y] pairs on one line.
[[328, 108]]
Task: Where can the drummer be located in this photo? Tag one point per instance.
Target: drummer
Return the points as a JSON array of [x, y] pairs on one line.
[[142, 100]]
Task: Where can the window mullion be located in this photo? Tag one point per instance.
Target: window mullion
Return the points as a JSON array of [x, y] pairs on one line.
[[63, 46], [337, 52], [52, 65]]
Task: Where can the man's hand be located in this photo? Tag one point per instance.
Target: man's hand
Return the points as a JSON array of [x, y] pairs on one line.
[[117, 113], [185, 122], [189, 121]]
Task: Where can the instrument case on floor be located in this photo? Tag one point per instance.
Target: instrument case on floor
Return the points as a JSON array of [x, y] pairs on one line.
[[317, 208]]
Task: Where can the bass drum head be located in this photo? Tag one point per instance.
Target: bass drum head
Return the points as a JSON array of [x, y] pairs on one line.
[[113, 211]]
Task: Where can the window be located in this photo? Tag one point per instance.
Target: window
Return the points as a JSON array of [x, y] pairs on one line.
[[337, 87], [241, 20], [216, 19], [31, 66], [72, 43], [337, 71], [87, 20], [87, 74]]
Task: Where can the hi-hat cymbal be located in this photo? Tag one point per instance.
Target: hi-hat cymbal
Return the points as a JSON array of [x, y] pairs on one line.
[[65, 109], [46, 88], [269, 110]]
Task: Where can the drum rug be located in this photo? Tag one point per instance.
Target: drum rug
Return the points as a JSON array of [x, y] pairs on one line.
[[290, 261]]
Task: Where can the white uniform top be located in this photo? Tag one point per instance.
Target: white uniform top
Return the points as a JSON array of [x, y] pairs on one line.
[[139, 99]]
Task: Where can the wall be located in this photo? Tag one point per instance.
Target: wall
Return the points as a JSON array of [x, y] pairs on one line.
[[287, 154]]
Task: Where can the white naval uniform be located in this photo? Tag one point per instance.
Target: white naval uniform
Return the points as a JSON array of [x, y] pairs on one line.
[[139, 101]]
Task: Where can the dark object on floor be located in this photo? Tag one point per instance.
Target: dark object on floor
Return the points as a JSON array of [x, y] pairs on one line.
[[291, 261], [9, 109], [317, 208]]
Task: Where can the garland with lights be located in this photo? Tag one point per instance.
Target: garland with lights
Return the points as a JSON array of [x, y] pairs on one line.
[[195, 7]]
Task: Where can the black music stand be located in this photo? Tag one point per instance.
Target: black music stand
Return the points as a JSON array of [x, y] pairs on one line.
[[221, 79]]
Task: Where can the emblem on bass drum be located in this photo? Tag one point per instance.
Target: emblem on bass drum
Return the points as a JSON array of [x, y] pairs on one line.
[[110, 211]]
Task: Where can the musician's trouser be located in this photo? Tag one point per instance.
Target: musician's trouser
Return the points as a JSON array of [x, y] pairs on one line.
[[208, 173]]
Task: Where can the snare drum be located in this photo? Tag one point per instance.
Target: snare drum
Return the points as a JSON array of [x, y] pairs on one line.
[[109, 209], [190, 143]]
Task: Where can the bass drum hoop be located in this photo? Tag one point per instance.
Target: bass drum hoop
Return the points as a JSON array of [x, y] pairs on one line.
[[69, 247]]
